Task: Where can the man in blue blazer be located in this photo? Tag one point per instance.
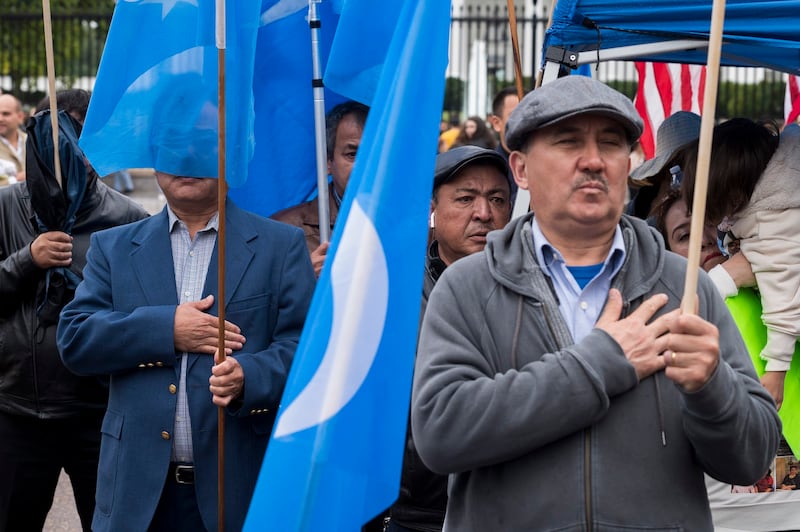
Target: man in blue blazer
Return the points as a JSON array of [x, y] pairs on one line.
[[146, 314]]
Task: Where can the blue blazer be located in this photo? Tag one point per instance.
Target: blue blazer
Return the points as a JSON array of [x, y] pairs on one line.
[[120, 323]]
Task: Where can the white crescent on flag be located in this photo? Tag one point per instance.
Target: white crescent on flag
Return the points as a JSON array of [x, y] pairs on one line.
[[360, 292]]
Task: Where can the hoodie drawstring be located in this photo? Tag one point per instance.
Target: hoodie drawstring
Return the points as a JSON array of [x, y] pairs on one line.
[[517, 326], [660, 412]]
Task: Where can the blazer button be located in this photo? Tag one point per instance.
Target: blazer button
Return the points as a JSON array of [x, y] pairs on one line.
[[173, 388], [159, 364], [142, 366], [164, 434], [150, 364]]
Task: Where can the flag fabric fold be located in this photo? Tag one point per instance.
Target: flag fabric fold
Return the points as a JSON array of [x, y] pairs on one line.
[[665, 88], [792, 101], [283, 169], [368, 28], [335, 456], [155, 101]]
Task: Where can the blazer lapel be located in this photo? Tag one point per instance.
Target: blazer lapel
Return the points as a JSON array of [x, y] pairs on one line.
[[238, 255], [151, 257]]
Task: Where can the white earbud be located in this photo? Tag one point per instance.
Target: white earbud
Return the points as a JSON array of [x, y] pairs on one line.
[[432, 222]]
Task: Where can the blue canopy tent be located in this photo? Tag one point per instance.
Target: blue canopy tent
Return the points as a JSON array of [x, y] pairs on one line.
[[763, 33]]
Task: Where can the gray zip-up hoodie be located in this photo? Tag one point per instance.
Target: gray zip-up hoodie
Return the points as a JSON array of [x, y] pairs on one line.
[[541, 433]]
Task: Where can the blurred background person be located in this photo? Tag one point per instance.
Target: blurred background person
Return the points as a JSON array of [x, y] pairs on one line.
[[475, 133], [12, 140], [448, 133]]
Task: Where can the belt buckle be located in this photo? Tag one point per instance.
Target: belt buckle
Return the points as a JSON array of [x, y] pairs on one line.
[[184, 474]]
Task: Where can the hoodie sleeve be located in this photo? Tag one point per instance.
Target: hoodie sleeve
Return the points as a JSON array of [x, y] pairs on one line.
[[774, 253], [732, 421], [469, 410]]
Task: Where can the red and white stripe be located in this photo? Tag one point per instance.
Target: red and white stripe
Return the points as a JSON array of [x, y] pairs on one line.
[[791, 104], [665, 88]]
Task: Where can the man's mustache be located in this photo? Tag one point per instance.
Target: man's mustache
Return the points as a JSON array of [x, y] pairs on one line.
[[591, 178]]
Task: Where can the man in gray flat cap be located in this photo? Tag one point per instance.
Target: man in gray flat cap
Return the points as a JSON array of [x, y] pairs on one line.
[[557, 381]]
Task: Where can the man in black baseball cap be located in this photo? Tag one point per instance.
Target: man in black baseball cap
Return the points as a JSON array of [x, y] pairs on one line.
[[471, 194]]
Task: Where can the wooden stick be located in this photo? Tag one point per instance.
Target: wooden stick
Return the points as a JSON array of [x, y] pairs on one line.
[[51, 85], [222, 190], [512, 23], [688, 303]]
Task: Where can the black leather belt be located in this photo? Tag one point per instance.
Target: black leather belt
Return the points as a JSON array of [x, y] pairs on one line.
[[182, 473]]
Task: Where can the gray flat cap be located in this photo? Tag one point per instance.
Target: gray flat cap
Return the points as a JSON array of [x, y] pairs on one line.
[[567, 97]]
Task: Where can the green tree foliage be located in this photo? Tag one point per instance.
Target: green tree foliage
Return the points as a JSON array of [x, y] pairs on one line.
[[758, 101], [66, 7], [79, 31], [454, 90]]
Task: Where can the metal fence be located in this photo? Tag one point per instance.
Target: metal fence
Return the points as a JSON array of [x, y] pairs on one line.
[[78, 40], [481, 60]]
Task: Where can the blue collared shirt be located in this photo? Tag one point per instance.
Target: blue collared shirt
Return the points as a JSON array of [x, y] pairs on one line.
[[579, 307], [190, 259]]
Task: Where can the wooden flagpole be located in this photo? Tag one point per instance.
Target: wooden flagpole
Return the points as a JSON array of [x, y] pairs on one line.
[[222, 194], [51, 85], [512, 23], [688, 303]]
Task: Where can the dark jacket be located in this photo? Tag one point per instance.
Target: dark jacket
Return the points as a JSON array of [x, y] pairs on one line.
[[33, 381], [423, 493], [306, 217]]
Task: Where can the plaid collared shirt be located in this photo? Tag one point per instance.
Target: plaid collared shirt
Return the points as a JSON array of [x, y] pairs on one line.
[[190, 259]]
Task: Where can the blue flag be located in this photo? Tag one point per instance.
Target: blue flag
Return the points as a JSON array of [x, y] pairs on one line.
[[283, 171], [155, 101], [336, 452], [582, 70], [368, 28]]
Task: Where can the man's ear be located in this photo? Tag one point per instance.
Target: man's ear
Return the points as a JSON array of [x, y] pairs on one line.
[[494, 120], [518, 164]]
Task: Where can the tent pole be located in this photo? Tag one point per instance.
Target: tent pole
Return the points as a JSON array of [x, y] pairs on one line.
[[319, 126]]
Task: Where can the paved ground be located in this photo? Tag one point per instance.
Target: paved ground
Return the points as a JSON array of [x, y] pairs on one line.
[[63, 517]]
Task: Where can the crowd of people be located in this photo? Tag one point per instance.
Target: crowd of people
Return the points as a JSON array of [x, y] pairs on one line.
[[554, 363]]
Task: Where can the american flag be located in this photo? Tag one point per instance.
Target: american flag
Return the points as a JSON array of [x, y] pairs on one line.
[[665, 88], [791, 105]]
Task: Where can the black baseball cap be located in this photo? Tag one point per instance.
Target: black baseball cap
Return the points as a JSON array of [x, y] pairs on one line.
[[449, 163]]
